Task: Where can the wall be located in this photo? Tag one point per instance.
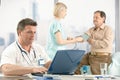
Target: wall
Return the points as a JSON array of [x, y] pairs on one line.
[[78, 20], [80, 17]]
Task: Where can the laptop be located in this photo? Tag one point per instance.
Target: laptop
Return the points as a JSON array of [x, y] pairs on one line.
[[65, 62]]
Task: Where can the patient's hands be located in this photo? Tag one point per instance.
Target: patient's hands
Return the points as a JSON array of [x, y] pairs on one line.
[[90, 40]]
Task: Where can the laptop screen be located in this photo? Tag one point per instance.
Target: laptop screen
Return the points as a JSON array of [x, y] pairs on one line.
[[65, 61]]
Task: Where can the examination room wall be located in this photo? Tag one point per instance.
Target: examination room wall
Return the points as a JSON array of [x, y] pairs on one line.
[[79, 18]]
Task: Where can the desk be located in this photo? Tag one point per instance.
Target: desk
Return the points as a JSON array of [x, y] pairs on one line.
[[62, 77], [16, 78], [87, 77]]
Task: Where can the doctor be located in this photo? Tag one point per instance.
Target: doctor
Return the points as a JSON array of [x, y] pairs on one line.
[[22, 56]]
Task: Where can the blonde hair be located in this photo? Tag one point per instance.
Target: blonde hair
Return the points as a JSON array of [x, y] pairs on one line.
[[59, 6]]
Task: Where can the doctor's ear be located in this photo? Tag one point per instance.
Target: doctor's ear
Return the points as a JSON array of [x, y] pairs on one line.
[[18, 32]]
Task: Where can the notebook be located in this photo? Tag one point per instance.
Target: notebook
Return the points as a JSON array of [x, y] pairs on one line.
[[66, 62]]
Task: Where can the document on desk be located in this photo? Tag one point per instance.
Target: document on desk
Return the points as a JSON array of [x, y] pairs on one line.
[[98, 77], [47, 77], [86, 76]]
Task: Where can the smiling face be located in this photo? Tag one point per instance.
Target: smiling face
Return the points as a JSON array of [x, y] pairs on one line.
[[27, 35], [98, 20]]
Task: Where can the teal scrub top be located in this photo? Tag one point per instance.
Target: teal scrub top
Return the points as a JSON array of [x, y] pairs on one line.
[[52, 45]]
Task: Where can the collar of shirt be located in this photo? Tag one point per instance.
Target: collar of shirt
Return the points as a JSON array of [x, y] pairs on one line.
[[101, 27], [31, 49]]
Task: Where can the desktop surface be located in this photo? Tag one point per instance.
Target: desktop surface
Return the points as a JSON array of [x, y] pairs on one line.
[[82, 77], [15, 78], [58, 77]]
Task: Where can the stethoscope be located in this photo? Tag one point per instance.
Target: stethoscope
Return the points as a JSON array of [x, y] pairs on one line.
[[24, 52]]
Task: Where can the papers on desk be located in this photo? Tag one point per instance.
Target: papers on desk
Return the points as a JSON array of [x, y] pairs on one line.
[[47, 77], [75, 77], [86, 77], [97, 77]]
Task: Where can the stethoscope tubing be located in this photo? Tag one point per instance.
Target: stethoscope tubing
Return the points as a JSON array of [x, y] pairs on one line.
[[22, 51]]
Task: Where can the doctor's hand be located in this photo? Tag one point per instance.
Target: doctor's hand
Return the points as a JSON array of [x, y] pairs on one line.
[[39, 69]]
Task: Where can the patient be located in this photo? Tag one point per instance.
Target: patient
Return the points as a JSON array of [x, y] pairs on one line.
[[100, 38]]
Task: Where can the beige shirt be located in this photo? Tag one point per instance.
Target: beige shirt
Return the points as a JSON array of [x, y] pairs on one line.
[[102, 39]]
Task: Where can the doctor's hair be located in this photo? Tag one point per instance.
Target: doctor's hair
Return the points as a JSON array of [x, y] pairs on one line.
[[25, 22], [59, 6], [102, 14]]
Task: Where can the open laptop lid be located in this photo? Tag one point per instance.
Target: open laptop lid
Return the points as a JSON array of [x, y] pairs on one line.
[[65, 61]]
